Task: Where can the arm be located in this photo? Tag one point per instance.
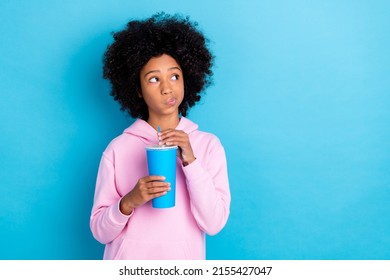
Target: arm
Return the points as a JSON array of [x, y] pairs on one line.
[[106, 221], [111, 212], [208, 188], [207, 181]]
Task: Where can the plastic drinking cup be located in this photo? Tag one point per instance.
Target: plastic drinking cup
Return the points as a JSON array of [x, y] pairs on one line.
[[162, 162]]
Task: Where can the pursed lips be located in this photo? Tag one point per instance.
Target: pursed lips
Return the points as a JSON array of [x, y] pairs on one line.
[[171, 101]]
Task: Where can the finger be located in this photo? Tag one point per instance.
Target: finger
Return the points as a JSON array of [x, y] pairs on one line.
[[179, 140], [151, 187], [173, 142], [171, 132], [158, 184], [157, 195], [152, 178], [157, 190], [174, 137]]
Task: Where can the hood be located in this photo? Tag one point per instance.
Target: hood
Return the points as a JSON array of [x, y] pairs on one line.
[[148, 134]]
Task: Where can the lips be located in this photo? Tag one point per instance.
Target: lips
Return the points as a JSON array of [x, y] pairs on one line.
[[171, 101]]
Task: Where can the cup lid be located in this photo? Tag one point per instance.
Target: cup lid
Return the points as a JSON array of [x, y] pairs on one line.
[[160, 147]]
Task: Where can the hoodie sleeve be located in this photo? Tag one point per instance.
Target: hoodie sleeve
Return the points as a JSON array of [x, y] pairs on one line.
[[208, 187], [106, 221]]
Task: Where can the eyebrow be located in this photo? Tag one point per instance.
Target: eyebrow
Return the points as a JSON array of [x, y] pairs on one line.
[[158, 71]]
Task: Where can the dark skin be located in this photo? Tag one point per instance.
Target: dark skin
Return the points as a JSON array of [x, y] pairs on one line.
[[162, 89]]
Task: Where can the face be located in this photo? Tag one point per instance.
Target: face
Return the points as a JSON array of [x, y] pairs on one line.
[[162, 86]]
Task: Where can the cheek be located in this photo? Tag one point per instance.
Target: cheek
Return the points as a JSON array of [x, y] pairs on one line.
[[147, 92], [180, 90], [147, 97], [149, 100]]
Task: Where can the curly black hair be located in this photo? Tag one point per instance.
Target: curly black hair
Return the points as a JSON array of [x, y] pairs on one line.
[[141, 40]]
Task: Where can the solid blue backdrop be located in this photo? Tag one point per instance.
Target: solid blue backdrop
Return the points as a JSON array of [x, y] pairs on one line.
[[300, 101]]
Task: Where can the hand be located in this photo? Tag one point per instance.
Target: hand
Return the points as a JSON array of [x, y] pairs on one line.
[[147, 188], [171, 137]]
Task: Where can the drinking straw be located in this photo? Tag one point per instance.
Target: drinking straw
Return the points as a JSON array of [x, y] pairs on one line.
[[158, 130]]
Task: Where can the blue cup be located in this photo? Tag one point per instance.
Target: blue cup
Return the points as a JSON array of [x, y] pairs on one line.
[[162, 162]]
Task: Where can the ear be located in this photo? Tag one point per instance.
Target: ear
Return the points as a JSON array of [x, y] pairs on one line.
[[139, 94]]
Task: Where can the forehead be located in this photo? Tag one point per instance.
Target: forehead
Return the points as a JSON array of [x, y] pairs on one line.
[[162, 62]]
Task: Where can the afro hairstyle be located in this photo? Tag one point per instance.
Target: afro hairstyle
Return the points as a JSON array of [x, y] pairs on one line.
[[142, 40]]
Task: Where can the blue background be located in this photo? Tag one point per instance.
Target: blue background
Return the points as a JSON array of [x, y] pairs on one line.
[[300, 101]]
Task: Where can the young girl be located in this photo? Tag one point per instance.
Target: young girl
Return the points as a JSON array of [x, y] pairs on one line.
[[157, 69]]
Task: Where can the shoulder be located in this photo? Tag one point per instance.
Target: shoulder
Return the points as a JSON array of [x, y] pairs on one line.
[[205, 136], [123, 143], [117, 142], [192, 129], [205, 140]]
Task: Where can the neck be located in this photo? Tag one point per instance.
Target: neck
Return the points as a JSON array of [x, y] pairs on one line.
[[164, 122]]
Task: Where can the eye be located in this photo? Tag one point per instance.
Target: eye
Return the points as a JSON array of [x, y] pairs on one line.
[[175, 77], [153, 80]]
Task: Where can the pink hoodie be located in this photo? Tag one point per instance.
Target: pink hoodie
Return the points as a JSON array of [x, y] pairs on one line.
[[202, 198]]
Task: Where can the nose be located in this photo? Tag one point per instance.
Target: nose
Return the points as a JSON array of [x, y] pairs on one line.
[[166, 88]]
